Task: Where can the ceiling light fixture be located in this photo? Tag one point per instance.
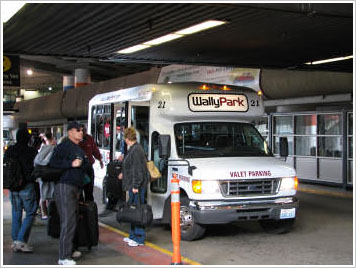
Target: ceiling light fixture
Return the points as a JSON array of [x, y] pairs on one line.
[[201, 27], [163, 39], [329, 60], [133, 49], [172, 36]]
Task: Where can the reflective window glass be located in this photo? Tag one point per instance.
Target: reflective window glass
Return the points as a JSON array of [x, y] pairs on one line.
[[329, 124], [330, 146], [350, 124], [283, 125], [305, 124], [261, 125], [276, 145], [305, 146], [120, 126]]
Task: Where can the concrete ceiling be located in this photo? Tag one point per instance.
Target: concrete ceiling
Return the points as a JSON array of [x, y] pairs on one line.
[[56, 38]]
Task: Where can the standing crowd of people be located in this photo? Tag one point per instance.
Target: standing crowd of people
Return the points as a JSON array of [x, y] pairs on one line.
[[74, 155]]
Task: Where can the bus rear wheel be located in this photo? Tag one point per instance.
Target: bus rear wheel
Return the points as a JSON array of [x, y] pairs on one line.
[[190, 230]]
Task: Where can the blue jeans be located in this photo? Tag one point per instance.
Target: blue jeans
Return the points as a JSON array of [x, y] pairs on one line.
[[137, 232], [23, 200]]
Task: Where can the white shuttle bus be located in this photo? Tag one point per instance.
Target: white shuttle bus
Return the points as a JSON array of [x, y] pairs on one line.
[[203, 133]]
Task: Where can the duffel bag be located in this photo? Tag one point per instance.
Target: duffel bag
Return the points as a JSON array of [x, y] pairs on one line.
[[140, 214], [47, 173]]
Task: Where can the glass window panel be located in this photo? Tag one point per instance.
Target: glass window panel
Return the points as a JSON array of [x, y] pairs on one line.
[[350, 147], [350, 123], [276, 145], [305, 146], [262, 126], [120, 126], [283, 124], [99, 130], [329, 124], [350, 176], [330, 146], [106, 136], [305, 124], [140, 120]]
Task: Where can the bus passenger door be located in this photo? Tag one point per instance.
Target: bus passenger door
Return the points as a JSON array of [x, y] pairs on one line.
[[158, 190], [120, 123]]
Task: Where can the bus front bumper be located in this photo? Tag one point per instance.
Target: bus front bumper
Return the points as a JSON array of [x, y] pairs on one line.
[[220, 212]]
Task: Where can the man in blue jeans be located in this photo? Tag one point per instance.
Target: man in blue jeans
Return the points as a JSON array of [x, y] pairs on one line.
[[24, 199]]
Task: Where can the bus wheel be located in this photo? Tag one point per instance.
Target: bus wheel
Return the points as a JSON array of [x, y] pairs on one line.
[[277, 226], [188, 228]]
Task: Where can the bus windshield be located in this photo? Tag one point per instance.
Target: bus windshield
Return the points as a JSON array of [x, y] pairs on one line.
[[219, 139]]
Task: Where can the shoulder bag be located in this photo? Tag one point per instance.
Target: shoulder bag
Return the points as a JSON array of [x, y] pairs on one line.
[[153, 170]]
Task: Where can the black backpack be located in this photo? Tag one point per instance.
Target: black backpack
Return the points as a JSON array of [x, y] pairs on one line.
[[14, 178]]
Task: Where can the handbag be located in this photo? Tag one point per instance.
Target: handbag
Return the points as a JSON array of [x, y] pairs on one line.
[[153, 170], [47, 173], [136, 214]]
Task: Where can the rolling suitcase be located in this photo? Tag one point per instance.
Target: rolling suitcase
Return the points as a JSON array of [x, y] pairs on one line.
[[87, 232], [53, 222]]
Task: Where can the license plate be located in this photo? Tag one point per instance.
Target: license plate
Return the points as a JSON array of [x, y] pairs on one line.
[[287, 213]]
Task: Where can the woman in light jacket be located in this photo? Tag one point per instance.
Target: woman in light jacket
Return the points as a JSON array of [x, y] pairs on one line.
[[135, 179]]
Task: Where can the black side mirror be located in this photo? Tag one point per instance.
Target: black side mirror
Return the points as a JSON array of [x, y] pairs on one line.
[[164, 145], [283, 147]]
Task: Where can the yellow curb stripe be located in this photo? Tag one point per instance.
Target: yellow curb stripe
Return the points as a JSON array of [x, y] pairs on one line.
[[322, 192], [149, 244]]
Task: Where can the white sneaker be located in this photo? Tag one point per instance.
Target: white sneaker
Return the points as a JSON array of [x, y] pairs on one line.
[[127, 240], [23, 247], [76, 254], [67, 262], [133, 243], [13, 246]]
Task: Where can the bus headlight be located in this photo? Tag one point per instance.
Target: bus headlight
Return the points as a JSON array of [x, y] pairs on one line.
[[205, 187], [289, 184]]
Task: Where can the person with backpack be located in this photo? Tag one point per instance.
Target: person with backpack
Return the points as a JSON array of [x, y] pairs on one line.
[[22, 190], [46, 187]]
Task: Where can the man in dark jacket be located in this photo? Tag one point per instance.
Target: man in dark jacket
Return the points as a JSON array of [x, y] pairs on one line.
[[69, 156], [25, 198]]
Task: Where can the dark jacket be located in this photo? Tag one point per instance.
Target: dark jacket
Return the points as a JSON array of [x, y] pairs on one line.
[[134, 168], [63, 156], [26, 156], [89, 147]]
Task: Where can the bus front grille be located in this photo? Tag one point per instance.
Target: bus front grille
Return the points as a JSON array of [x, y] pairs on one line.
[[250, 187]]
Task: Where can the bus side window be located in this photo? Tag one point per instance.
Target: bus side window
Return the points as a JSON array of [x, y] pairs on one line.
[[120, 127], [140, 121], [160, 185]]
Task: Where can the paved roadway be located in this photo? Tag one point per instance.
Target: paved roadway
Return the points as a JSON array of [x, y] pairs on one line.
[[323, 235]]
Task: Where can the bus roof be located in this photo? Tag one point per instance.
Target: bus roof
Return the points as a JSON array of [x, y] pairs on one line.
[[190, 98]]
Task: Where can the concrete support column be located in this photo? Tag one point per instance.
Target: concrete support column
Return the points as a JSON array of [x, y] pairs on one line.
[[82, 77], [68, 82]]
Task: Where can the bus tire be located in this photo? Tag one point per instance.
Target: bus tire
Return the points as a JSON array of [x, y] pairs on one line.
[[189, 230], [277, 226]]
